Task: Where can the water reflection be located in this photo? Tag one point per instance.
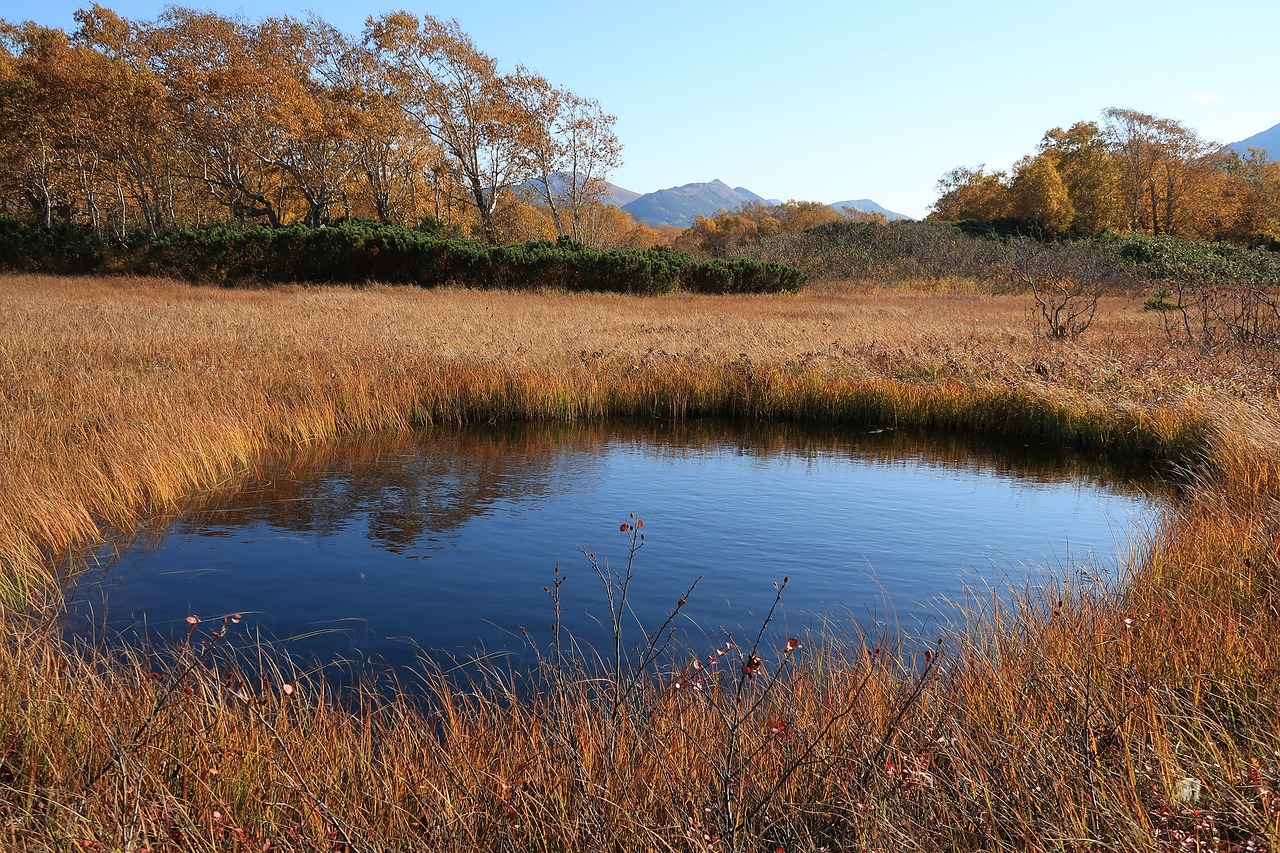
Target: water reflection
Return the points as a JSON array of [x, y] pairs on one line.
[[416, 485], [443, 540]]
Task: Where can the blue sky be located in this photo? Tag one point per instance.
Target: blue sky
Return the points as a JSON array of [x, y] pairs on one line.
[[830, 101]]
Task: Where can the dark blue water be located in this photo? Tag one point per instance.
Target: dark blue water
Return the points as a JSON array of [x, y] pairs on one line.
[[382, 549]]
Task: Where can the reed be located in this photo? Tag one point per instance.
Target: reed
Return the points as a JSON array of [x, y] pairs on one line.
[[1083, 717]]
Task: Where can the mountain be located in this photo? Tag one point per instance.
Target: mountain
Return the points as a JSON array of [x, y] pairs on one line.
[[1268, 139], [619, 196], [679, 205], [613, 194], [866, 205]]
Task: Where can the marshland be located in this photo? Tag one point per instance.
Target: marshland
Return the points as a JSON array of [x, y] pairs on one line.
[[225, 243], [1141, 715]]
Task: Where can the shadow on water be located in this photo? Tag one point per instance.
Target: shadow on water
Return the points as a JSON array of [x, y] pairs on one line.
[[384, 548]]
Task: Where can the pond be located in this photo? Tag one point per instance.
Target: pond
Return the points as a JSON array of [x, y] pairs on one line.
[[382, 549]]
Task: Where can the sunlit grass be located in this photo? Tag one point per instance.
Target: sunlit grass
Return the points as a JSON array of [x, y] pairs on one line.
[[1072, 721]]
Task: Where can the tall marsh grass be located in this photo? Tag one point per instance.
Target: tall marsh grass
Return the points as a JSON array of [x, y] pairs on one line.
[[1082, 718]]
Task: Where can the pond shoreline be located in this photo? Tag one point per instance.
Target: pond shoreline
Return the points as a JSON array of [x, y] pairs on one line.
[[330, 542]]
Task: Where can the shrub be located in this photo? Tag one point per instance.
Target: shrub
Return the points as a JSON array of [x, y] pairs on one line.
[[61, 247], [874, 251], [1214, 295], [744, 276], [1065, 280], [355, 251]]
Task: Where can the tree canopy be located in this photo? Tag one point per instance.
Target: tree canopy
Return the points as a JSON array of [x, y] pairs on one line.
[[1132, 172], [198, 118]]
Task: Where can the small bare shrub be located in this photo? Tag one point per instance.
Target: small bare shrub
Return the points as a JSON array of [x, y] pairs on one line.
[[1064, 280]]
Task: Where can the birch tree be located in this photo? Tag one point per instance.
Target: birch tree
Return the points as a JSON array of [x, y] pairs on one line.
[[454, 91]]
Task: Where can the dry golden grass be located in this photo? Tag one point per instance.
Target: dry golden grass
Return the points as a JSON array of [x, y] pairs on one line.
[[124, 395], [1074, 723]]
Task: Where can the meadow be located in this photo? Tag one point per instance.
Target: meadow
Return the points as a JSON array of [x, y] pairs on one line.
[[1142, 718]]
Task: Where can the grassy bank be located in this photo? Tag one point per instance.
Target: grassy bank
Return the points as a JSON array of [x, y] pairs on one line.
[[1086, 722]]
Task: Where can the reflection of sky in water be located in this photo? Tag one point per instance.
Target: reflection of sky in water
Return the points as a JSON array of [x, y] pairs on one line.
[[448, 546]]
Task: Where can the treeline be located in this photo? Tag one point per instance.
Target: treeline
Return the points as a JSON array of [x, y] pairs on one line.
[[356, 251], [1132, 172], [195, 119]]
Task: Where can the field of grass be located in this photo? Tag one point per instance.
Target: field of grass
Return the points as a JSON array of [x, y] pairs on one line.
[[1144, 719]]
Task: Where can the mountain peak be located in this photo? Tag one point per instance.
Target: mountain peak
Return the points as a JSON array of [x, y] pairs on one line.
[[680, 206]]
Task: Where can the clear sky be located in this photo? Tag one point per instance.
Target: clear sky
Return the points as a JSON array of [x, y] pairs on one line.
[[827, 101]]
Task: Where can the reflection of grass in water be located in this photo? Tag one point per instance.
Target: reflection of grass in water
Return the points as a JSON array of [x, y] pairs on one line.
[[439, 479], [1086, 715]]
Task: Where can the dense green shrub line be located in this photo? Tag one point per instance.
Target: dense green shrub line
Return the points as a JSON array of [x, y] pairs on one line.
[[60, 247], [358, 251], [1180, 260]]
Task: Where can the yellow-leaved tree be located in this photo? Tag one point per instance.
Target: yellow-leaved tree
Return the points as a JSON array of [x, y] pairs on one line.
[[454, 92], [1040, 197], [972, 194], [1163, 170], [1089, 173]]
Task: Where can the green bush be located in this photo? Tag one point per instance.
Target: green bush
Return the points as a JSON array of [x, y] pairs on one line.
[[1185, 261], [61, 247], [744, 276], [1214, 295], [357, 251]]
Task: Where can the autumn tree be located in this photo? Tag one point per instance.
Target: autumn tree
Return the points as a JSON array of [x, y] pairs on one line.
[[312, 115], [607, 226], [1259, 179], [1137, 172], [872, 216], [739, 232], [1089, 173], [10, 126], [520, 220], [727, 232], [396, 164], [795, 216], [1039, 195], [196, 117], [132, 101], [972, 194], [29, 176], [51, 131], [222, 94], [454, 91], [574, 149], [1162, 167]]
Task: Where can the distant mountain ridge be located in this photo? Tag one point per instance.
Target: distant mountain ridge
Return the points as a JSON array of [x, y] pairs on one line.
[[866, 205], [679, 206], [559, 182], [619, 196], [1268, 140]]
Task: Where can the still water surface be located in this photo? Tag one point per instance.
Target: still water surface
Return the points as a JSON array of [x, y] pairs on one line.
[[383, 548]]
